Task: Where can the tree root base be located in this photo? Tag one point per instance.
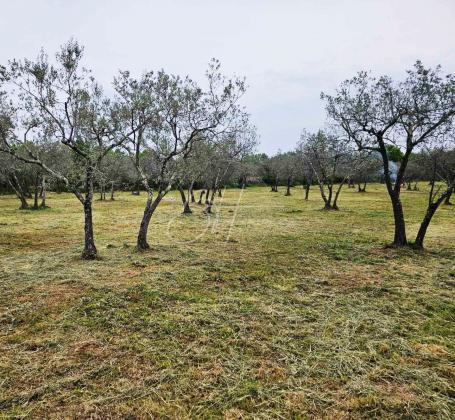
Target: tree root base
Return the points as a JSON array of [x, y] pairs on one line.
[[90, 257]]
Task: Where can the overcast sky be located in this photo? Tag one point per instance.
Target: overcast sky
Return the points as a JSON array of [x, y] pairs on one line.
[[289, 50]]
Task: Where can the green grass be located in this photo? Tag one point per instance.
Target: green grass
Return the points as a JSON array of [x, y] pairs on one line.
[[272, 309]]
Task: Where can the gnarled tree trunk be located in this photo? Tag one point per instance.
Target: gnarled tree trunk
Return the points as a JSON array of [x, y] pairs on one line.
[[36, 193], [327, 199], [191, 192], [276, 185], [209, 203], [307, 191], [337, 195], [201, 196], [17, 188], [431, 210], [447, 199], [185, 202], [102, 190], [112, 191], [43, 193], [361, 189], [136, 188], [90, 251], [150, 207], [399, 238], [288, 186]]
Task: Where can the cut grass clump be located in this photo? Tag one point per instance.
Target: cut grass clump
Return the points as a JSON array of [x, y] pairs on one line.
[[273, 310]]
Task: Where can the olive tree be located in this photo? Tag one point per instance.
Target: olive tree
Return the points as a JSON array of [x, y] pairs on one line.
[[59, 101], [232, 149], [270, 172], [414, 172], [377, 112], [304, 170], [367, 171], [332, 161], [12, 173], [287, 164], [181, 113]]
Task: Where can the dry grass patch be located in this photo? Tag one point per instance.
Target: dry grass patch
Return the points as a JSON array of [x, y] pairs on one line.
[[274, 309]]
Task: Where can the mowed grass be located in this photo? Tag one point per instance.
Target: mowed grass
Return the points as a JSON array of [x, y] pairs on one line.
[[270, 308]]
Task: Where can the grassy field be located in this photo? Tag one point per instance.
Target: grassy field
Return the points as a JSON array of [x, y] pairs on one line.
[[269, 309]]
